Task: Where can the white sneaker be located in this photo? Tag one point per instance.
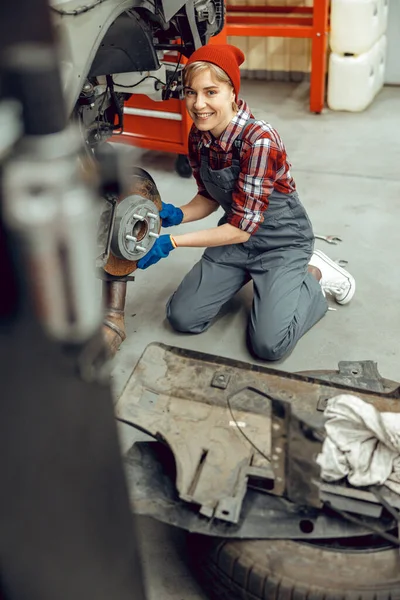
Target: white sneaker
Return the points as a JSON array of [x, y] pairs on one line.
[[335, 281]]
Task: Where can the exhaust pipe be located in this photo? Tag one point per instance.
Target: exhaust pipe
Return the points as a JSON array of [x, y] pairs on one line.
[[114, 296]]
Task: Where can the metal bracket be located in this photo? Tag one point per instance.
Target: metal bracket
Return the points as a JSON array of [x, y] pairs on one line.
[[362, 374], [295, 444], [220, 380]]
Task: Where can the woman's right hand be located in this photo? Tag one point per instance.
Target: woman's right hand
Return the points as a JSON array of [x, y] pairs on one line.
[[170, 215]]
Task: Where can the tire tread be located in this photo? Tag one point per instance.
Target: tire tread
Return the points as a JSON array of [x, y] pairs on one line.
[[228, 574]]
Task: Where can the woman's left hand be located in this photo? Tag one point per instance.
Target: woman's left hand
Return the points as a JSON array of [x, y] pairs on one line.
[[160, 249], [170, 215]]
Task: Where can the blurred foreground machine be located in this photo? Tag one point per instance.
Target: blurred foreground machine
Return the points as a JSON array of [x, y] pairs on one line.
[[66, 528]]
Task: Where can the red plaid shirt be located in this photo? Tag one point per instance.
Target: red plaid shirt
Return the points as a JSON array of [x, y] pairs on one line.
[[264, 166]]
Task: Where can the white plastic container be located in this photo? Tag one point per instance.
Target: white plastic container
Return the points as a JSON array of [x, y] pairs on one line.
[[356, 25], [354, 81]]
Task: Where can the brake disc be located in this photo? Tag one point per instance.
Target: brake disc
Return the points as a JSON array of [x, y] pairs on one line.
[[137, 224]]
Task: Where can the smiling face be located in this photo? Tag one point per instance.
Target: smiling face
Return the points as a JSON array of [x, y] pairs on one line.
[[210, 102]]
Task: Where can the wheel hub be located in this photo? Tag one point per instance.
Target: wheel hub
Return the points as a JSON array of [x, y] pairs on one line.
[[136, 228]]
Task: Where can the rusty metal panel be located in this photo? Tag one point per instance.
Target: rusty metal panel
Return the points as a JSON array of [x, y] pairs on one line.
[[215, 415], [153, 493]]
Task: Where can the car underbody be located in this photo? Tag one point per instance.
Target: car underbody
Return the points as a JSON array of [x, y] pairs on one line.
[[237, 445]]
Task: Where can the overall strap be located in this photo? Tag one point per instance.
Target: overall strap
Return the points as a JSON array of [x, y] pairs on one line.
[[237, 144], [203, 153]]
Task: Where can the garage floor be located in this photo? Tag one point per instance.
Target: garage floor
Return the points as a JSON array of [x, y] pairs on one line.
[[346, 167]]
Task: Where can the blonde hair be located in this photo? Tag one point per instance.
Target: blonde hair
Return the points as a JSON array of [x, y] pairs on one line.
[[190, 72]]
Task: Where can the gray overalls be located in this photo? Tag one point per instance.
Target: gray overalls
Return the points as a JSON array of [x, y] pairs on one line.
[[287, 299]]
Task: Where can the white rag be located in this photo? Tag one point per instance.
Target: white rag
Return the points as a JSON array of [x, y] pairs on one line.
[[362, 444]]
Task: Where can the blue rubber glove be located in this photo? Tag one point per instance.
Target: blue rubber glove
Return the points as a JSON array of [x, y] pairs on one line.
[[170, 215], [160, 249]]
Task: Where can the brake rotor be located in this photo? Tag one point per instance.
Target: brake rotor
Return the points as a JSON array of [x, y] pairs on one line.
[[137, 224]]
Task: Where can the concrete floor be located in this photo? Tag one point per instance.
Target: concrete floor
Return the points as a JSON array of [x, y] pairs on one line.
[[346, 167]]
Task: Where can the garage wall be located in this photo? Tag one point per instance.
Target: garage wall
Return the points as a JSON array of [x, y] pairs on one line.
[[282, 59]]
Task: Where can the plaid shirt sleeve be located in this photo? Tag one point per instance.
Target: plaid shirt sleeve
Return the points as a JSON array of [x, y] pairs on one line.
[[194, 160], [258, 173]]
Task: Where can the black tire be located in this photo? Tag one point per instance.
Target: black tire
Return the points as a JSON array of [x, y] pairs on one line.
[[289, 570], [182, 166]]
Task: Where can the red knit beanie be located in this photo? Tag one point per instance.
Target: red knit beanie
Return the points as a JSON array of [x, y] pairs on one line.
[[225, 56]]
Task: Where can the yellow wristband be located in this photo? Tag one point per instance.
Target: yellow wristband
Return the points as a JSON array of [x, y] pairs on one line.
[[175, 245]]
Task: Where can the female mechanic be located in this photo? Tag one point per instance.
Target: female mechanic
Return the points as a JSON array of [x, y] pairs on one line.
[[240, 164]]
